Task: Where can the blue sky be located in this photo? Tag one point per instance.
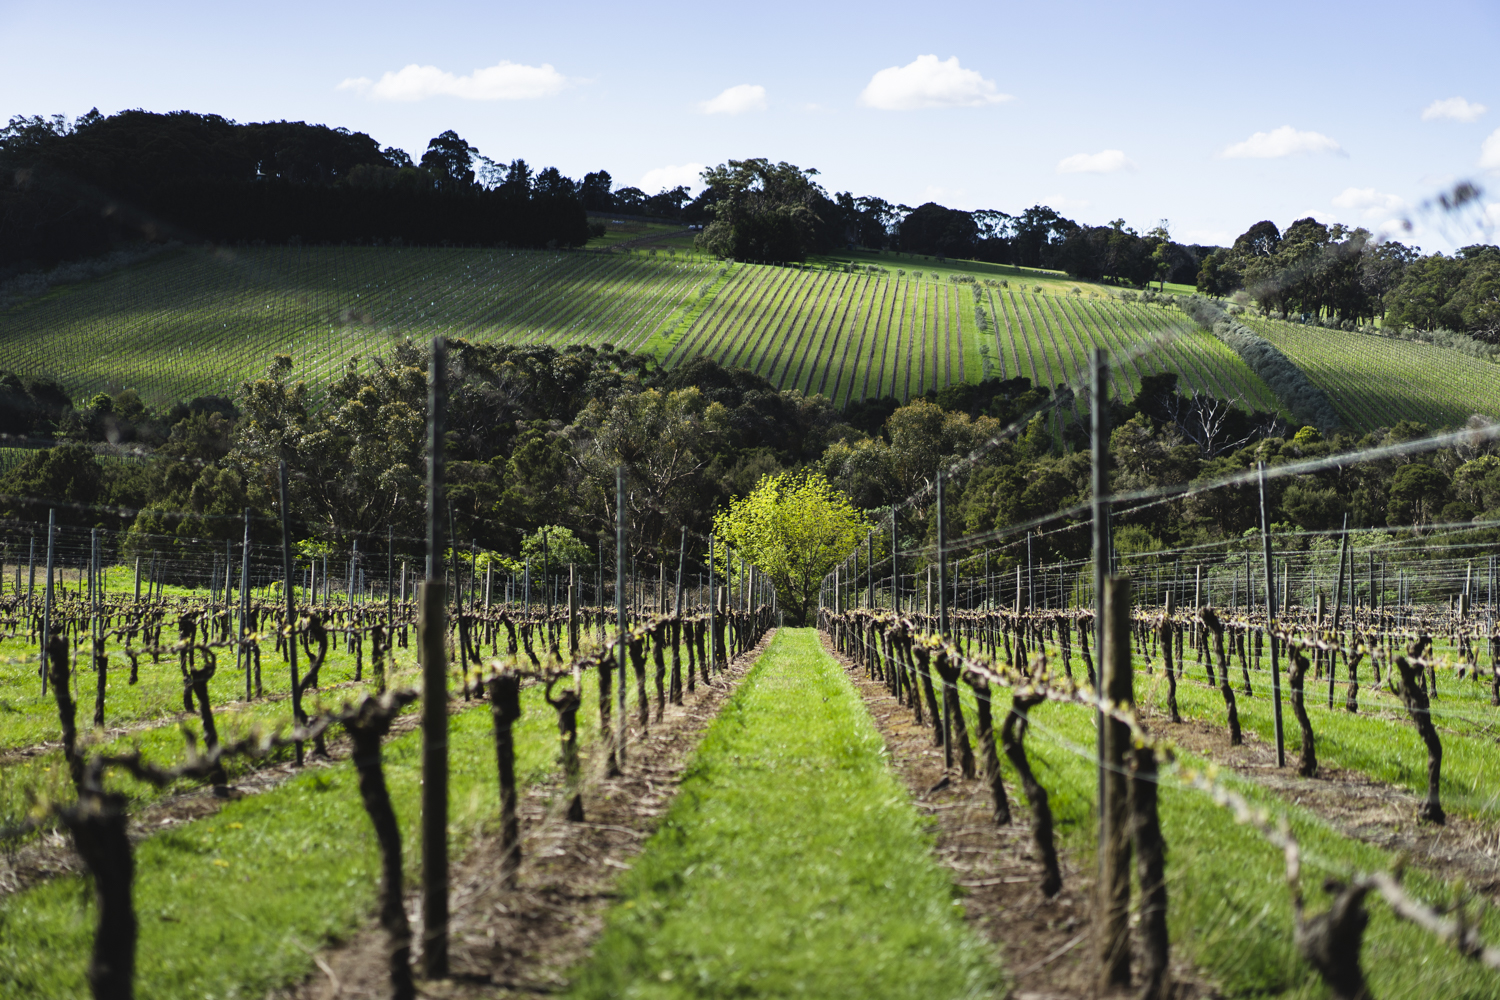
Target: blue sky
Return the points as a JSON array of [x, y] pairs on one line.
[[1212, 116]]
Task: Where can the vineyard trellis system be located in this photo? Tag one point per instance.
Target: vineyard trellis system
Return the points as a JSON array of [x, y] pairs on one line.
[[939, 623], [76, 631]]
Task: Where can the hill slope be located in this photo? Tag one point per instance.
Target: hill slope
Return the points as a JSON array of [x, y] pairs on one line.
[[192, 322], [1376, 381]]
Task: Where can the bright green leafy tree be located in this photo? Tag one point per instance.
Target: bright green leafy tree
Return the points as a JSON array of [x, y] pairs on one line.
[[794, 527]]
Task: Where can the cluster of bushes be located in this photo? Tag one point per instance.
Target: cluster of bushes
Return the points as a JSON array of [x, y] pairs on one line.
[[1304, 400]]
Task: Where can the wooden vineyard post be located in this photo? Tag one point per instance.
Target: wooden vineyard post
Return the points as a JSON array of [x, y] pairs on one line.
[[895, 567], [620, 619], [432, 630], [289, 596], [228, 588], [572, 610], [1114, 808], [244, 605], [681, 564], [1099, 454], [870, 570], [712, 649], [47, 597], [1338, 607], [942, 554], [1265, 538]]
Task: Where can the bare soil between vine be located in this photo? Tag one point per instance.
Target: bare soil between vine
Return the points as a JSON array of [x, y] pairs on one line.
[[1046, 946], [51, 854], [524, 941], [1356, 805]]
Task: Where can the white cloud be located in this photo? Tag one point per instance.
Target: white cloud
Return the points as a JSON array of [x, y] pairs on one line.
[[505, 81], [1456, 108], [1284, 141], [1372, 205], [669, 177], [1489, 152], [928, 82], [1107, 162], [1208, 237], [736, 100]]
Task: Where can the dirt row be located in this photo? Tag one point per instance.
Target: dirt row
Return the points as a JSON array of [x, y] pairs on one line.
[[525, 940], [52, 854], [1046, 945]]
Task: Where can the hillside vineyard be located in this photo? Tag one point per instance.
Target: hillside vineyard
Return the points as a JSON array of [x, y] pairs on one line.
[[194, 322]]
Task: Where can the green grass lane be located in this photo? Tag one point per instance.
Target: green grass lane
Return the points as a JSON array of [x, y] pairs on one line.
[[227, 904], [1229, 907], [1378, 741], [792, 862]]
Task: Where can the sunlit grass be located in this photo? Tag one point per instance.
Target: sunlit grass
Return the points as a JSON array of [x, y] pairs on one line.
[[792, 862], [228, 905]]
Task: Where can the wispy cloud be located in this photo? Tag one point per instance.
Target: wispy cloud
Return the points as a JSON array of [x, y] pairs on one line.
[[736, 100], [1489, 151], [929, 82], [1107, 162], [1372, 205], [1456, 108], [505, 81], [1284, 141], [668, 177]]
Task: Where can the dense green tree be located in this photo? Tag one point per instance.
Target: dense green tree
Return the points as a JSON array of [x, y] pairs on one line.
[[795, 528], [66, 478], [1418, 494], [937, 231], [766, 211], [595, 191]]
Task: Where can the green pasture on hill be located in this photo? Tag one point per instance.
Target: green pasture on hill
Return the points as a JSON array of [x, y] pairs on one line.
[[194, 321], [862, 334]]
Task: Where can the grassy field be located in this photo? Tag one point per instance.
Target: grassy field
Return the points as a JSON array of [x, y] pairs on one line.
[[1376, 381], [231, 905], [791, 864], [639, 232], [1021, 278], [1230, 910]]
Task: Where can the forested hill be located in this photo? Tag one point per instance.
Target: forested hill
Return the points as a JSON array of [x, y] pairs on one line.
[[73, 189]]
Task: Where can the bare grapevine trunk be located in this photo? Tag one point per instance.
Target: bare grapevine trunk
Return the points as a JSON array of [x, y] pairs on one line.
[[1012, 737], [985, 733]]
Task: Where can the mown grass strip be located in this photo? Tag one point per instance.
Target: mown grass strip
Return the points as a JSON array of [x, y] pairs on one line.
[[1230, 911], [1385, 747], [792, 862], [228, 905]]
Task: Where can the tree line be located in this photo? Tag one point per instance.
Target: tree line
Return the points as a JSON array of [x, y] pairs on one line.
[[1345, 276], [756, 209], [535, 435], [76, 189]]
